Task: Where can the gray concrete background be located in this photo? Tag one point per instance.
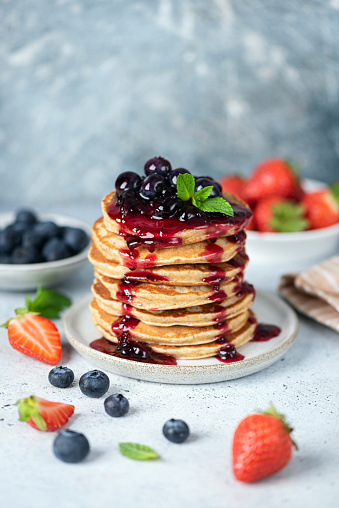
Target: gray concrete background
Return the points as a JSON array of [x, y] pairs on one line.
[[90, 88]]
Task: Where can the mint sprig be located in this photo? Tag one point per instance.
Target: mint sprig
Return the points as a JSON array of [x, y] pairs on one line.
[[137, 451], [201, 199], [47, 303]]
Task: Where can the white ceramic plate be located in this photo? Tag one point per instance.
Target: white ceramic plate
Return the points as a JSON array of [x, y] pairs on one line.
[[30, 276], [270, 308], [288, 248]]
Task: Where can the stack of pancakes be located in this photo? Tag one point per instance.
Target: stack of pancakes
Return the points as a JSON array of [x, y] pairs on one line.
[[186, 300]]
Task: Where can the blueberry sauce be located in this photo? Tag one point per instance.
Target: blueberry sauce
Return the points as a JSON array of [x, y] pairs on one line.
[[244, 288], [228, 354], [132, 350], [265, 332], [213, 253], [237, 263], [223, 329], [217, 276], [157, 222], [124, 324], [130, 259], [126, 291]]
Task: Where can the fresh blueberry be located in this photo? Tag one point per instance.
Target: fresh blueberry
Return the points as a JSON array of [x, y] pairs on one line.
[[203, 181], [94, 383], [157, 165], [8, 240], [70, 446], [173, 176], [75, 238], [55, 249], [127, 180], [152, 186], [26, 216], [32, 239], [47, 229], [24, 255], [5, 259], [116, 405], [176, 431], [61, 377]]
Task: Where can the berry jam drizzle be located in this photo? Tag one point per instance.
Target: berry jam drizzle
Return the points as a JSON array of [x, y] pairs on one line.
[[144, 276], [124, 324], [126, 291], [237, 263], [130, 259], [228, 354], [157, 223], [265, 332], [213, 253], [218, 275], [245, 289], [132, 350], [222, 328]]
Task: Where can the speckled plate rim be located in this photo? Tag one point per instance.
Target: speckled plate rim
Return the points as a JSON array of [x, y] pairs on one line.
[[208, 370]]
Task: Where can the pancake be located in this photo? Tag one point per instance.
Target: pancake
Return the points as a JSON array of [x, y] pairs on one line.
[[169, 335], [186, 275], [215, 226], [161, 297], [197, 351], [114, 248], [201, 315]]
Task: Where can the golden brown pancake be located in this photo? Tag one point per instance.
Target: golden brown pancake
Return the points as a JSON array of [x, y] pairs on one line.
[[114, 248], [201, 315], [160, 297], [185, 275]]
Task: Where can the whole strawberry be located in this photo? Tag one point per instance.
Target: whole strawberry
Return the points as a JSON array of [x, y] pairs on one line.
[[261, 446], [322, 207], [279, 215], [273, 178], [235, 185]]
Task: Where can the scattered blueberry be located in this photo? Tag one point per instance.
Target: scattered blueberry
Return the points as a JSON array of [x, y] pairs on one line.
[[47, 229], [152, 186], [55, 249], [94, 383], [8, 240], [203, 181], [70, 446], [32, 238], [26, 216], [127, 180], [173, 176], [157, 165], [116, 405], [61, 377], [75, 238], [176, 431]]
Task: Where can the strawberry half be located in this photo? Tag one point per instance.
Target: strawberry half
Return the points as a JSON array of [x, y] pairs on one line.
[[35, 336], [44, 415], [235, 185], [261, 446], [322, 207]]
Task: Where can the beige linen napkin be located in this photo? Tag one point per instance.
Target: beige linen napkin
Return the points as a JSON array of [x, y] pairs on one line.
[[315, 291]]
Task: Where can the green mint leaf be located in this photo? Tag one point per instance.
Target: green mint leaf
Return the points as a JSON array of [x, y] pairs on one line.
[[217, 205], [201, 195], [48, 303], [137, 451], [185, 186]]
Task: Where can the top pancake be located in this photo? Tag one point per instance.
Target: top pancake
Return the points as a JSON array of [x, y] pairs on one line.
[[165, 234]]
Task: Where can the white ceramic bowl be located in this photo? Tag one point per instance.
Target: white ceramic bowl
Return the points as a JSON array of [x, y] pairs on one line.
[[294, 248], [30, 276]]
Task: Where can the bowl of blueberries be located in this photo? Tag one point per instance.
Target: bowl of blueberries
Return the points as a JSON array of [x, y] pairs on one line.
[[40, 250]]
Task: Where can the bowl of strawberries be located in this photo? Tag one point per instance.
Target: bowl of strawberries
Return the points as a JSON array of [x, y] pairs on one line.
[[295, 220]]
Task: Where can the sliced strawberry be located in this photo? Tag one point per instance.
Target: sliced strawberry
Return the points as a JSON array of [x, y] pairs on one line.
[[44, 415], [35, 336]]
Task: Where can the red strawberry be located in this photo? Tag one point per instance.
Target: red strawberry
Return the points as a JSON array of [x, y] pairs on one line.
[[322, 207], [44, 415], [278, 215], [273, 177], [35, 336], [261, 446], [234, 184]]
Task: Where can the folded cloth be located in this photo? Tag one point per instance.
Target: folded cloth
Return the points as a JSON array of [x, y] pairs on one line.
[[315, 292]]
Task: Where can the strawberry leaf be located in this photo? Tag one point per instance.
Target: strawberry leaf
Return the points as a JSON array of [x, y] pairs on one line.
[[28, 408], [219, 205], [185, 186], [334, 189], [137, 452], [288, 218]]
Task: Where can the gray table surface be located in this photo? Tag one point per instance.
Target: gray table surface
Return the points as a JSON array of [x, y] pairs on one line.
[[303, 385]]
